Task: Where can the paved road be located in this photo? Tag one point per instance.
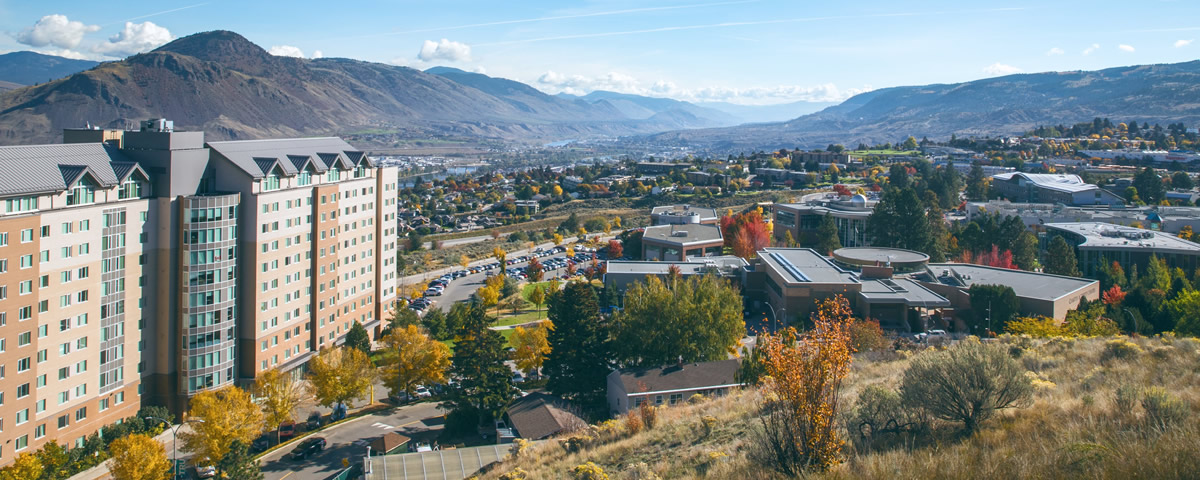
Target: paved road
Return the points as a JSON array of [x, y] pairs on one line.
[[461, 289], [421, 422], [463, 241]]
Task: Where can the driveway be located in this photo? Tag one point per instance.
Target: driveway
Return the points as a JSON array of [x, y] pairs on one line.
[[422, 422]]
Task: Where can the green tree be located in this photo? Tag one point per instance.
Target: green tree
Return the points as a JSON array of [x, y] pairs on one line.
[[898, 176], [483, 385], [56, 462], [938, 233], [538, 297], [358, 338], [1025, 251], [1149, 185], [401, 316], [434, 322], [976, 184], [992, 306], [910, 144], [1182, 181], [1060, 258], [1185, 309], [239, 463], [827, 235], [580, 355], [697, 319], [966, 383], [1158, 275], [899, 221]]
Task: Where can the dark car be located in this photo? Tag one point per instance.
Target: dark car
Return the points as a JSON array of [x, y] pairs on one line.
[[314, 420], [308, 448], [261, 444]]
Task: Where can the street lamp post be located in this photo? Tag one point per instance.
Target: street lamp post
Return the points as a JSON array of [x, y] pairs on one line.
[[174, 450], [1132, 317]]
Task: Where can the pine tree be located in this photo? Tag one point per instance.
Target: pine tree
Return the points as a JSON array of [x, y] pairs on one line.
[[484, 382], [976, 184], [1060, 258], [827, 236], [936, 218], [899, 221], [580, 353], [358, 338]]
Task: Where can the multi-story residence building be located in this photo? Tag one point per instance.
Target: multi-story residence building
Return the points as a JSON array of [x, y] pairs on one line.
[[167, 266]]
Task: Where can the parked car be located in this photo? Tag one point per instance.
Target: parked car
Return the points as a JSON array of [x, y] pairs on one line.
[[423, 392], [518, 378], [315, 420], [205, 471], [308, 448], [287, 430], [261, 444]]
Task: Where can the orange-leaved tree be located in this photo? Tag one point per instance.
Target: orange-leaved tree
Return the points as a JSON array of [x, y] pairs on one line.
[[806, 371]]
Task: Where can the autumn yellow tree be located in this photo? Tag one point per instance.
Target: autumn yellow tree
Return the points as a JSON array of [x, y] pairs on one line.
[[488, 296], [538, 297], [530, 347], [138, 457], [500, 255], [616, 222], [1186, 232], [280, 395], [558, 239], [571, 251], [464, 261], [26, 466], [806, 371], [340, 374], [558, 191], [226, 415], [413, 358], [582, 233]]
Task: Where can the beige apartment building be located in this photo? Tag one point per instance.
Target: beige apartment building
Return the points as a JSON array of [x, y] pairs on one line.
[[149, 272]]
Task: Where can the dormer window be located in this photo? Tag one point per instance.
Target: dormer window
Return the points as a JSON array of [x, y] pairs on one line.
[[304, 178], [131, 189], [360, 171], [333, 175], [82, 194], [270, 182]]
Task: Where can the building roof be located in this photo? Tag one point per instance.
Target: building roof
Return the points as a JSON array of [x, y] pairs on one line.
[[540, 415], [388, 442], [1063, 182], [54, 168], [704, 213], [1025, 284], [804, 265], [693, 265], [901, 290], [686, 234], [691, 376], [879, 255], [1108, 236], [256, 157]]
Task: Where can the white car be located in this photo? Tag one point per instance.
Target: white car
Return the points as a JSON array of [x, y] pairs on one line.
[[423, 392], [206, 472]]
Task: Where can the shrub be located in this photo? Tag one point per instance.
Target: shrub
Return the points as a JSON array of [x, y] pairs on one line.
[[641, 471], [1124, 397], [1162, 409], [515, 474], [574, 443], [880, 411], [1162, 352], [649, 414], [866, 336], [708, 422], [588, 471], [1037, 327], [633, 422], [966, 383], [1120, 349], [695, 398], [519, 447]]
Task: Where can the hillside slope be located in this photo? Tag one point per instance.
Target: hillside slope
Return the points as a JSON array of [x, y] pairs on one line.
[[1007, 105], [29, 68], [1075, 428], [233, 89]]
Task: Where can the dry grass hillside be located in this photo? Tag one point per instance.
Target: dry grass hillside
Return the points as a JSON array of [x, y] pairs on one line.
[[1102, 408]]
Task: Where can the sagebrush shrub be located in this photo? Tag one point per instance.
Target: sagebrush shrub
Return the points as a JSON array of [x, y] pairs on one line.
[[1162, 408], [588, 471], [1120, 349], [984, 379], [1124, 398]]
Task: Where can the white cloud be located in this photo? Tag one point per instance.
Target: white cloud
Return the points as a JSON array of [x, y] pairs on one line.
[[1055, 51], [1183, 43], [1125, 48], [479, 69], [286, 51], [1089, 50], [318, 54], [55, 30], [997, 69], [444, 50], [133, 39], [554, 82]]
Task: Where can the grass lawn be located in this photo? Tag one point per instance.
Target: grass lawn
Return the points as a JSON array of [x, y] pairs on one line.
[[525, 316], [527, 290]]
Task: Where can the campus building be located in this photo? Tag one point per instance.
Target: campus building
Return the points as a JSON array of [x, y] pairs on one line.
[[675, 243], [1096, 243], [683, 215], [1066, 189], [850, 214], [149, 272]]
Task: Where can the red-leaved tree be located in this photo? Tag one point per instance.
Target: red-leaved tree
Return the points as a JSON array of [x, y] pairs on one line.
[[842, 190], [1113, 296], [745, 233], [995, 258], [615, 249]]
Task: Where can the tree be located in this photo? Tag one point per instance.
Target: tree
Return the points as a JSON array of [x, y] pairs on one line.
[[827, 236], [977, 184], [1025, 250], [483, 385], [992, 306], [534, 270], [697, 319], [1089, 321], [1182, 181], [580, 355], [936, 218], [26, 466], [358, 338], [488, 296], [228, 414], [1185, 308], [531, 346], [615, 250], [465, 262], [412, 358], [138, 457], [239, 463], [790, 241], [558, 239], [340, 374], [56, 464], [1060, 258], [745, 233], [899, 221], [500, 255], [966, 383], [1149, 185], [538, 297], [910, 144], [806, 372], [1186, 233], [401, 316], [280, 395]]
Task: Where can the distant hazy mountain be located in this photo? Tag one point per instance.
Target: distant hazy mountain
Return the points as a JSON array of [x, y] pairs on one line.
[[28, 68], [767, 113], [232, 89], [6, 86], [642, 107], [1007, 105]]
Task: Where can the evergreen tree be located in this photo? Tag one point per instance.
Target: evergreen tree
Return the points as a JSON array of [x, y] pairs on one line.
[[898, 176], [827, 236], [483, 385], [1025, 251], [1060, 258], [1182, 181], [239, 463], [992, 306], [580, 356], [1149, 186], [358, 338], [899, 221], [938, 233], [976, 184]]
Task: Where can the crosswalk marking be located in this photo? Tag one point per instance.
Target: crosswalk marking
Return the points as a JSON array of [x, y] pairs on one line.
[[382, 425]]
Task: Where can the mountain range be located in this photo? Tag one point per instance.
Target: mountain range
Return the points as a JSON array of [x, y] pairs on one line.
[[227, 86], [1007, 105]]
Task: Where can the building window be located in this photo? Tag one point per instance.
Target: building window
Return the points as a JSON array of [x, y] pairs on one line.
[[270, 182], [21, 204], [304, 178], [82, 194], [130, 189]]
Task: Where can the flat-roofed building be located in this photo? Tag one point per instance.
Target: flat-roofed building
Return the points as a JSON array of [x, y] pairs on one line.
[[675, 243], [850, 214], [619, 274], [1061, 188], [1039, 293], [683, 214], [1096, 243]]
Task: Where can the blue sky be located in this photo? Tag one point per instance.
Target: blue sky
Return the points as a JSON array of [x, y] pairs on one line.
[[749, 52]]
